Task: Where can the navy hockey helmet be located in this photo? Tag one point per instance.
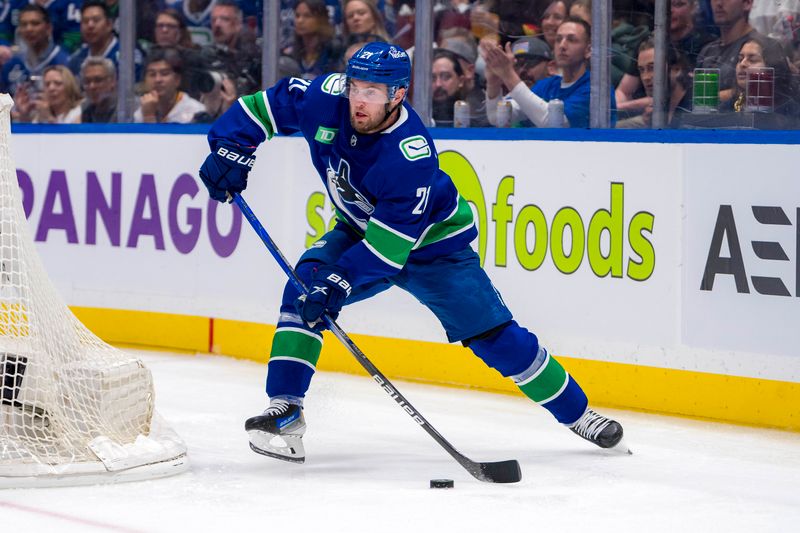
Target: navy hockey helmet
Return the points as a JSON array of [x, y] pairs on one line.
[[381, 63]]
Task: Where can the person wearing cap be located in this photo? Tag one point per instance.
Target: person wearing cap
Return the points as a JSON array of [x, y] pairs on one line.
[[529, 61], [572, 86], [461, 44]]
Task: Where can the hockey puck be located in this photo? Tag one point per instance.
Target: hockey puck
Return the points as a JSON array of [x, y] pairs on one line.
[[442, 484]]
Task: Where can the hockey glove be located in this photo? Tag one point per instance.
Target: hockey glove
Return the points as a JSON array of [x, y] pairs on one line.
[[326, 293], [225, 169]]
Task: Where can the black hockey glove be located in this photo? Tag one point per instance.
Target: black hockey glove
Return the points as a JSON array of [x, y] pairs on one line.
[[225, 169], [326, 293]]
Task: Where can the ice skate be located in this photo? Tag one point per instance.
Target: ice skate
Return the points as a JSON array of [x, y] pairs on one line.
[[278, 432], [600, 430]]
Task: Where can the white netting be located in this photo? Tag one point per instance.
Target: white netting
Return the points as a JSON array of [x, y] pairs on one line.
[[70, 404]]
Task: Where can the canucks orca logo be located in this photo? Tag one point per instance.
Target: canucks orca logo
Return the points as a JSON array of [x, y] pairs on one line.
[[343, 191]]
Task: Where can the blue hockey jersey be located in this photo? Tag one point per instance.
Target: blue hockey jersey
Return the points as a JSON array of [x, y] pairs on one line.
[[65, 16], [9, 19], [21, 67], [386, 186]]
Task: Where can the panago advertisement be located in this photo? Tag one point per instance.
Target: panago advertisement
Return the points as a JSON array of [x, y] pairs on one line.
[[648, 265]]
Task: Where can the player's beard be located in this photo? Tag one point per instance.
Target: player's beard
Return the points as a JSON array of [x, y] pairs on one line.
[[375, 123]]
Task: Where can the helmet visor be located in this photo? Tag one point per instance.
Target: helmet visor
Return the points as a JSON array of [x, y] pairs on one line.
[[370, 94]]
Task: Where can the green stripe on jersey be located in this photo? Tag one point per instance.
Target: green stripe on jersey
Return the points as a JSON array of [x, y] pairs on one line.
[[457, 222], [547, 382], [256, 106], [296, 344], [390, 244]]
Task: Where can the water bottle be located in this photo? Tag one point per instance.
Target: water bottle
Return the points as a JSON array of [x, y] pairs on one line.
[[461, 114], [555, 113], [503, 113]]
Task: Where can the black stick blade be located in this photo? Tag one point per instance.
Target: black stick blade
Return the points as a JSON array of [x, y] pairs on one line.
[[499, 472]]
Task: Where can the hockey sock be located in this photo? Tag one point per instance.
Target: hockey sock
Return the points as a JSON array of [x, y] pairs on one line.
[[548, 384], [293, 359]]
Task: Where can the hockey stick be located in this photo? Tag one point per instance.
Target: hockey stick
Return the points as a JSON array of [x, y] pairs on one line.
[[497, 472]]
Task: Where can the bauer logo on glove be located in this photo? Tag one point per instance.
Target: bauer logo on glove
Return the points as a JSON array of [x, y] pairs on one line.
[[247, 161], [225, 170]]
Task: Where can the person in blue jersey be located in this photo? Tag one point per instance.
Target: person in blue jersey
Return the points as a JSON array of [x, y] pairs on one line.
[[38, 53], [66, 17], [573, 49], [99, 40], [401, 222], [9, 15]]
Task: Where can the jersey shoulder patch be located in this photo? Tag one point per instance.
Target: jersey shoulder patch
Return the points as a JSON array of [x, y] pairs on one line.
[[334, 84], [415, 147]]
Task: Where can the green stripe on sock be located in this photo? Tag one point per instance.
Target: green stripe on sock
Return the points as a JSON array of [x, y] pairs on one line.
[[547, 382], [288, 343], [255, 104]]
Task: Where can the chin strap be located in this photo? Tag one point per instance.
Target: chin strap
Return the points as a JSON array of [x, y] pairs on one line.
[[388, 112]]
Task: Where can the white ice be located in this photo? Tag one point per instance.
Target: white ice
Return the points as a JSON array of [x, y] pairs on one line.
[[369, 465]]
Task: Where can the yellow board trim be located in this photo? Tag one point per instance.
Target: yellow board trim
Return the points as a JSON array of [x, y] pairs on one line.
[[750, 401]]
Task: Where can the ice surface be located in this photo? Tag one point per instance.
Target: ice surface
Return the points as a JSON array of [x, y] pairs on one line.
[[369, 465]]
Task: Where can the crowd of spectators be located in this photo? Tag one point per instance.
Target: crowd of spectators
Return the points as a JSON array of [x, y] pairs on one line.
[[503, 62]]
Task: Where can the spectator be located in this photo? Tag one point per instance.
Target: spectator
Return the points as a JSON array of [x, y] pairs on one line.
[[170, 29], [581, 9], [677, 87], [197, 14], [553, 16], [461, 42], [57, 103], [163, 101], [723, 53], [573, 50], [450, 84], [362, 16], [454, 14], [66, 18], [447, 78], [97, 32], [233, 51], [776, 19], [625, 41], [753, 54], [524, 62], [146, 13], [687, 37], [505, 19], [99, 80], [39, 50], [315, 48], [9, 15]]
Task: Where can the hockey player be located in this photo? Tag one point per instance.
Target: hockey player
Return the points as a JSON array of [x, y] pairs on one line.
[[400, 222]]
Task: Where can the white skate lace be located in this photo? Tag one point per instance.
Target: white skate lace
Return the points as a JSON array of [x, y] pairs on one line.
[[276, 408], [590, 425]]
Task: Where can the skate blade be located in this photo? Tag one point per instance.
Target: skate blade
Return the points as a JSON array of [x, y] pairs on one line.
[[284, 447], [621, 448]]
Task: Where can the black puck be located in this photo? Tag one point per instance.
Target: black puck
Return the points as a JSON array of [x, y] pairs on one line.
[[442, 484]]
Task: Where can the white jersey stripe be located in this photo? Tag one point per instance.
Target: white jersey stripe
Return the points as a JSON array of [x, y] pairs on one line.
[[293, 359], [253, 117], [380, 224], [300, 330]]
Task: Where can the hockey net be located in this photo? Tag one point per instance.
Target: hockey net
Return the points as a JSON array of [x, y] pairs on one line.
[[73, 409]]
